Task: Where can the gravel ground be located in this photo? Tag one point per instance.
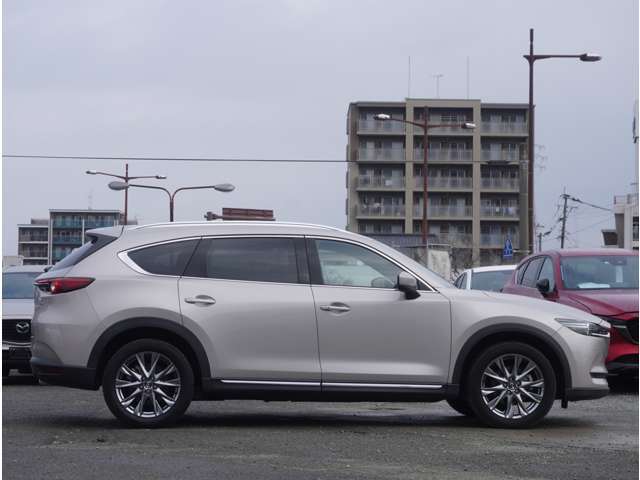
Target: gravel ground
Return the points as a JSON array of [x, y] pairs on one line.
[[57, 433]]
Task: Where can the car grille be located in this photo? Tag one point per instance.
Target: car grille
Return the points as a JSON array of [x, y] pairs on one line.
[[632, 326], [14, 330]]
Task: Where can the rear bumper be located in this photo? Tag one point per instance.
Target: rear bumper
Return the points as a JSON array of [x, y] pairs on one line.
[[74, 377], [577, 394]]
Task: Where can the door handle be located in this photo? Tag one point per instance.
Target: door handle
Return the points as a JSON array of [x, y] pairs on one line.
[[200, 300], [335, 308]]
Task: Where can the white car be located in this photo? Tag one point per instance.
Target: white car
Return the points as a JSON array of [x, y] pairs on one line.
[[17, 312], [485, 278]]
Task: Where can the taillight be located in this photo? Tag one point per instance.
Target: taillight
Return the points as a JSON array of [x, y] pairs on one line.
[[62, 285]]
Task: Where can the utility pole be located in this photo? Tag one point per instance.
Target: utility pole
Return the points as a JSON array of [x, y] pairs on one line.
[[563, 232], [540, 242]]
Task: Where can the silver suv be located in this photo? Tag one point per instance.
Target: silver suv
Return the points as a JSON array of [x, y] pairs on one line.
[[161, 315]]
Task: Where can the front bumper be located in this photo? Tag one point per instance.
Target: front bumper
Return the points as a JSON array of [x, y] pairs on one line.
[[16, 356], [577, 394], [74, 377]]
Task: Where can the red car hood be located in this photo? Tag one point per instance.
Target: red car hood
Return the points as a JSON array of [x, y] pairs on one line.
[[607, 302]]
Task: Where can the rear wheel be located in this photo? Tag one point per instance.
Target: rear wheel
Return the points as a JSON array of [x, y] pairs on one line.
[[511, 385], [148, 383], [461, 406]]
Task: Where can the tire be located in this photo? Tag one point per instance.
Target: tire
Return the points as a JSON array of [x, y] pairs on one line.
[[146, 403], [461, 406], [525, 399]]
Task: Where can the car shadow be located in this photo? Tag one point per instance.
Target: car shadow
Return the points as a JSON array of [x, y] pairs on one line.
[[24, 379], [350, 422], [623, 385]]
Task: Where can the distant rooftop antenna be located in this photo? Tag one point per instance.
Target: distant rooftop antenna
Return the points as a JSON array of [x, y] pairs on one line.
[[409, 79], [468, 73], [438, 76]]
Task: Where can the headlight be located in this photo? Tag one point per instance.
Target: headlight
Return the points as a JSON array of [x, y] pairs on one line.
[[584, 327]]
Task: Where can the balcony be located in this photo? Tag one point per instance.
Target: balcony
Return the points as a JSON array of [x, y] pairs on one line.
[[88, 224], [497, 240], [444, 211], [381, 154], [377, 210], [379, 182], [497, 183], [502, 156], [443, 155], [518, 128], [33, 239], [453, 127], [67, 240], [453, 239], [376, 126], [450, 183], [499, 212]]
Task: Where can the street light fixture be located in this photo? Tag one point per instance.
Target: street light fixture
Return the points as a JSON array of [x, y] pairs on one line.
[[384, 117], [531, 58], [126, 177], [220, 187]]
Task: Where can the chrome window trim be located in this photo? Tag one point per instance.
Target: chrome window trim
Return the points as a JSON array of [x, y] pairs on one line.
[[378, 252]]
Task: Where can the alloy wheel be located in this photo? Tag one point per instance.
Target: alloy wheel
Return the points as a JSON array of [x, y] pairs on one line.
[[512, 386], [147, 384]]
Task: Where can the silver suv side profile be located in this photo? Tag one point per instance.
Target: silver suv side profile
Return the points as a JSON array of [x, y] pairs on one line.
[[160, 315]]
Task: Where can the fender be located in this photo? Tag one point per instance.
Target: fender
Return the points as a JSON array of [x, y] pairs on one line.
[[508, 328], [166, 325]]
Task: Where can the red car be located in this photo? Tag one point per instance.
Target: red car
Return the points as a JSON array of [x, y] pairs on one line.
[[603, 282]]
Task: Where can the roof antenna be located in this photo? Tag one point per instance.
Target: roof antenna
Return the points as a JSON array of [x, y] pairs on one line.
[[409, 79], [438, 76], [468, 74]]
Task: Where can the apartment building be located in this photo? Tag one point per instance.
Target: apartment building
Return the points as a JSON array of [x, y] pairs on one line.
[[33, 241], [477, 189], [47, 241]]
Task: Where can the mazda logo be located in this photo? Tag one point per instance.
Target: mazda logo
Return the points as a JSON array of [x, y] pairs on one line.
[[22, 327]]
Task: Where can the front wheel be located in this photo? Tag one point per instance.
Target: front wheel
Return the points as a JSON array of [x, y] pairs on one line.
[[148, 383], [511, 385]]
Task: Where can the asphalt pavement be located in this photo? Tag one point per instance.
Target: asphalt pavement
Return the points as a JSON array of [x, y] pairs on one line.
[[58, 433]]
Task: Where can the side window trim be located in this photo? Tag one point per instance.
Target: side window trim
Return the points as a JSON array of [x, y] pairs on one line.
[[316, 272]]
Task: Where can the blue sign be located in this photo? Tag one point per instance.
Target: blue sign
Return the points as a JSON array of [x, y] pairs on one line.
[[507, 252]]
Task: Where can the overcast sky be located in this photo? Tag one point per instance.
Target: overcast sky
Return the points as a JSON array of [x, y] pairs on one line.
[[255, 79]]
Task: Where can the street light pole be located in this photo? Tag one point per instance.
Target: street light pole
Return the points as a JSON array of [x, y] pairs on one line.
[[221, 187], [425, 126], [126, 179], [531, 58]]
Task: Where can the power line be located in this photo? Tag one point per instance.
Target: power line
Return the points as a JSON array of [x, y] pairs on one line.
[[222, 159], [176, 159]]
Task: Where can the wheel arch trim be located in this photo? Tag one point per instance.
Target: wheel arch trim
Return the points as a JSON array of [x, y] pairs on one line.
[[168, 326], [519, 329]]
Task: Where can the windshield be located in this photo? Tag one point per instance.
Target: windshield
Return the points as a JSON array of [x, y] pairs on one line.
[[18, 284], [490, 280], [600, 272]]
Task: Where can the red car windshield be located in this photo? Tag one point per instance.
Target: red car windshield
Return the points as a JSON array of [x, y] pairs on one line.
[[600, 272]]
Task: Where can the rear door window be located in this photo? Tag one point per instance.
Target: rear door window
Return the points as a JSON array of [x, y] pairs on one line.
[[164, 259], [249, 259]]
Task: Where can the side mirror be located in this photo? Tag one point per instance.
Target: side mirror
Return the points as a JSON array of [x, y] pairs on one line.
[[409, 285], [543, 286]]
